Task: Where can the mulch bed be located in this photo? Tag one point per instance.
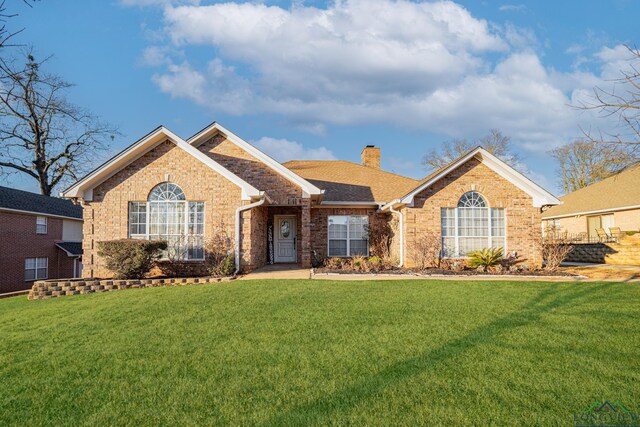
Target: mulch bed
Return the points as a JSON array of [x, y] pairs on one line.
[[443, 272]]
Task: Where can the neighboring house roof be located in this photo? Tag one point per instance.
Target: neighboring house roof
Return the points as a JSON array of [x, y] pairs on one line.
[[344, 181], [84, 188], [619, 192], [71, 248], [307, 187], [540, 196], [24, 201]]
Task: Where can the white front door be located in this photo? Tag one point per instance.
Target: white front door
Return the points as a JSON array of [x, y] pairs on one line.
[[285, 241]]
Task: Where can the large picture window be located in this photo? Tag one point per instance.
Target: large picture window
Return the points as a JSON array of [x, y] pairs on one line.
[[167, 215], [471, 226], [348, 235]]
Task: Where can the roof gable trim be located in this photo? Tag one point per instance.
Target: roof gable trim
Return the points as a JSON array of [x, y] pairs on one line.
[[308, 188], [84, 188], [540, 196]]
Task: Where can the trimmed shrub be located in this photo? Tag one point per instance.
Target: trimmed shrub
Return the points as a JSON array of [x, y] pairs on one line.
[[333, 263], [375, 263], [130, 258], [487, 257]]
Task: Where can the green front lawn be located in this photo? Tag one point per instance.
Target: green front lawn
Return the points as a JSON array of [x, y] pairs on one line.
[[316, 352]]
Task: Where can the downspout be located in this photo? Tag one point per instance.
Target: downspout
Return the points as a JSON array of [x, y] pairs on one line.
[[238, 212], [401, 225]]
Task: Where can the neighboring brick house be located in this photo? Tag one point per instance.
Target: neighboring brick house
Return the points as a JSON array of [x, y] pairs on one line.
[[41, 237], [184, 191]]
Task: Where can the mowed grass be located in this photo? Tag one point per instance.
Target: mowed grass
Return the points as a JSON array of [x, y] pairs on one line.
[[318, 353]]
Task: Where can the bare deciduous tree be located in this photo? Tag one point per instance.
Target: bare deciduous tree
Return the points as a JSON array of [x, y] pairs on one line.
[[621, 100], [5, 34], [42, 135], [582, 163], [494, 142]]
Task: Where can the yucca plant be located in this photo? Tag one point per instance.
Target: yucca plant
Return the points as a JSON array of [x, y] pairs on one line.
[[486, 257]]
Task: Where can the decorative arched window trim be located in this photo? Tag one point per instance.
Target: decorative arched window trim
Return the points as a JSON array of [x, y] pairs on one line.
[[167, 215], [472, 199], [166, 191]]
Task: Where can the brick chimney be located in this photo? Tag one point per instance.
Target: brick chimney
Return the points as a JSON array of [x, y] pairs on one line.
[[370, 156]]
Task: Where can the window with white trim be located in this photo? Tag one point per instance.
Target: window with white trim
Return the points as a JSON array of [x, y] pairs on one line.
[[36, 269], [471, 226], [167, 215], [41, 225], [348, 235]]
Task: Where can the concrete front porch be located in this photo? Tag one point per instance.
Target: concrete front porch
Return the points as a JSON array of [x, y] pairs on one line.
[[278, 271]]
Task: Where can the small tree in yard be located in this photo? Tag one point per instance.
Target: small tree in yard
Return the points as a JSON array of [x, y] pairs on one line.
[[130, 258], [427, 250], [554, 251], [219, 254]]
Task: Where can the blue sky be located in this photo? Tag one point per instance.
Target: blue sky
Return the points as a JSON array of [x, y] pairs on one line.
[[309, 79]]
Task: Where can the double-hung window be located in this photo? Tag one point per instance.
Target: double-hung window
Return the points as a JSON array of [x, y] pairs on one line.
[[41, 225], [348, 235], [471, 226], [168, 216], [36, 269]]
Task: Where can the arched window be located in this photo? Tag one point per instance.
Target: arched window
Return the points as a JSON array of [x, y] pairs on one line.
[[168, 216], [472, 200], [471, 226], [166, 192]]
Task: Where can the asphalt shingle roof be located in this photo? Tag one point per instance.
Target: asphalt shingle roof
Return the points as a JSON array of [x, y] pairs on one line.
[[72, 248], [345, 181], [618, 191], [11, 198]]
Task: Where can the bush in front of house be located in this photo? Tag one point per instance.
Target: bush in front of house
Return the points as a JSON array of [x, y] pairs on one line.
[[486, 258], [360, 264], [219, 257], [130, 258]]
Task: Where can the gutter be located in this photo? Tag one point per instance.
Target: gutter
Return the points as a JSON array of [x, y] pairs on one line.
[[401, 226], [238, 212]]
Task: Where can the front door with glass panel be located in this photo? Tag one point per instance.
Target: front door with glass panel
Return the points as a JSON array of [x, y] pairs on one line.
[[285, 239]]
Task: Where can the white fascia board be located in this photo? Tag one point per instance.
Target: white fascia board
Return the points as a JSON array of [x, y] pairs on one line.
[[84, 188], [599, 211], [248, 190], [307, 188], [540, 196]]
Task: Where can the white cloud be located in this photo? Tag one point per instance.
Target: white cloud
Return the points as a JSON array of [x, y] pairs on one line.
[[145, 3], [512, 8], [284, 150], [419, 65]]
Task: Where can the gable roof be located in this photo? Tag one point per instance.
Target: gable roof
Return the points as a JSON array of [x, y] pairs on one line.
[[24, 201], [72, 249], [84, 187], [307, 187], [618, 192], [344, 181], [541, 197]]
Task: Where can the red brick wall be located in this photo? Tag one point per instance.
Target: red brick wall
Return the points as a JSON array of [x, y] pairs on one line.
[[20, 241], [523, 220], [106, 217], [250, 169], [320, 225]]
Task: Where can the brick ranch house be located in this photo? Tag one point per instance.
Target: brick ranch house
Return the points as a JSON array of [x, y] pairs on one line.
[[183, 191], [41, 239]]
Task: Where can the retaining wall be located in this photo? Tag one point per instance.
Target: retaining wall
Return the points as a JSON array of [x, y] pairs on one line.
[[43, 289]]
